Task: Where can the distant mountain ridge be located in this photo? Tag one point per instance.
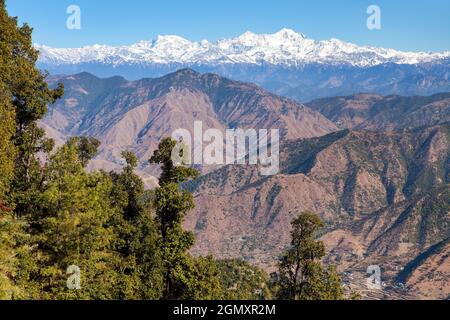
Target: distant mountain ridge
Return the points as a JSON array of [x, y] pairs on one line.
[[375, 112], [136, 115], [285, 47], [286, 63]]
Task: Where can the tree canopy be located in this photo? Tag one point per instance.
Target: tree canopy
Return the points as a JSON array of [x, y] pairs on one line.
[[301, 274]]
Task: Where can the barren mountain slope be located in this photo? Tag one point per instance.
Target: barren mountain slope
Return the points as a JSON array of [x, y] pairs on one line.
[[136, 115], [385, 198], [375, 112]]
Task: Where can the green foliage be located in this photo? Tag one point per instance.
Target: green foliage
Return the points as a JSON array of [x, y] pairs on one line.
[[11, 246], [7, 148], [241, 281], [171, 205], [137, 236], [24, 89], [199, 278], [128, 187], [87, 148], [147, 255], [301, 275], [170, 172], [71, 228]]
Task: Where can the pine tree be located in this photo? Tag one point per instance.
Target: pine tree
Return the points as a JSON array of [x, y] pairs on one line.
[[70, 226], [201, 279], [136, 231], [7, 148], [180, 270], [302, 277], [11, 232], [28, 94], [241, 281], [11, 229]]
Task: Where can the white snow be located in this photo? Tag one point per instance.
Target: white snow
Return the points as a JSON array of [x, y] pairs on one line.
[[286, 47]]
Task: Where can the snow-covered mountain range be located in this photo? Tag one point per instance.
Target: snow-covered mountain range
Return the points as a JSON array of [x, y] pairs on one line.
[[286, 48], [286, 63]]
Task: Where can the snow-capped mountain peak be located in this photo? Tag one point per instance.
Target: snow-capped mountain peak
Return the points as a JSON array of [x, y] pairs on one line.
[[285, 47], [289, 34]]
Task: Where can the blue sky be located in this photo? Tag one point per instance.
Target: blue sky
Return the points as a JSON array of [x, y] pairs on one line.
[[419, 25]]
